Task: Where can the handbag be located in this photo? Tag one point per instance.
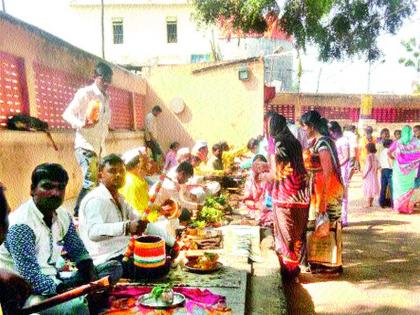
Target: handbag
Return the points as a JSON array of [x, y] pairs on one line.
[[326, 250]]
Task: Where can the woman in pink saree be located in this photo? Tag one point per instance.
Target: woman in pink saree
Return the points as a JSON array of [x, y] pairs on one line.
[[290, 197], [406, 152]]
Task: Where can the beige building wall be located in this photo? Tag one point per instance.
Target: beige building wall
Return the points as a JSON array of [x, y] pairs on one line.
[[218, 106], [21, 151]]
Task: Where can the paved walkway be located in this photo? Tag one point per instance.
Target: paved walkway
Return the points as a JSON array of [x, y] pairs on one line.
[[381, 266]]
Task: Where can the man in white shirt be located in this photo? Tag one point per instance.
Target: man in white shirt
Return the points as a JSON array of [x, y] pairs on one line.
[[89, 113], [151, 132], [201, 150], [39, 231], [385, 199], [14, 289], [173, 186], [299, 134], [106, 219]]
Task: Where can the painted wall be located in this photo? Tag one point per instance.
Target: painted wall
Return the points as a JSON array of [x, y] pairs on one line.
[[218, 106], [20, 152]]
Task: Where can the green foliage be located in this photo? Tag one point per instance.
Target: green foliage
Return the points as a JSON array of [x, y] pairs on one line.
[[211, 215], [198, 224], [339, 28], [218, 202], [413, 54]]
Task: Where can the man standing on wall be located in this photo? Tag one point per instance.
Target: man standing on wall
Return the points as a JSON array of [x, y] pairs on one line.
[[151, 132], [89, 113]]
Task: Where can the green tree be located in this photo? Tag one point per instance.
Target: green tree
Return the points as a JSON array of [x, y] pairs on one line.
[[412, 60], [340, 28]]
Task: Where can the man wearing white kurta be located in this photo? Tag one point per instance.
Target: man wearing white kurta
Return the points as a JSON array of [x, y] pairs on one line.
[[151, 132], [91, 129], [107, 220]]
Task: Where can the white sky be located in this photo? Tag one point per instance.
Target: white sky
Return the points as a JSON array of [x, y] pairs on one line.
[[55, 17], [352, 76]]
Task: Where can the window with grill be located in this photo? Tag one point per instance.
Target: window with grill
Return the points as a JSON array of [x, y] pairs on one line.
[[13, 88], [171, 30], [118, 31]]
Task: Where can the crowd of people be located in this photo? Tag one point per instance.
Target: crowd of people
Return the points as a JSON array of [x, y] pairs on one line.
[[298, 174], [397, 161], [303, 178], [110, 207]]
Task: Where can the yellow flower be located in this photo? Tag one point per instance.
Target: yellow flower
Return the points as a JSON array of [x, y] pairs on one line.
[[153, 215]]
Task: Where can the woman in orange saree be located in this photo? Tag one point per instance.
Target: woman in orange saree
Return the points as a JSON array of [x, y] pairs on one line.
[[321, 160]]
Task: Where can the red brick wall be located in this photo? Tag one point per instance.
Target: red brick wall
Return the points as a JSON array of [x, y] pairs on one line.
[[13, 88]]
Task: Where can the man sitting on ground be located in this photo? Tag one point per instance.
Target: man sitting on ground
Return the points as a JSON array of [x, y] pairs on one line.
[[14, 289], [173, 187], [201, 150], [183, 155], [229, 154], [136, 190], [200, 161], [105, 219], [39, 230]]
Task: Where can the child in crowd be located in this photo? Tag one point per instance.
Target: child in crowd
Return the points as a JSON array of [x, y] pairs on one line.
[[229, 154], [385, 196], [170, 159], [216, 161], [252, 147], [255, 188], [397, 134], [370, 174]]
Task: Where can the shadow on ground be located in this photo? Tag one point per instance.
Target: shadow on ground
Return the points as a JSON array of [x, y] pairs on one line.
[[387, 258], [381, 266], [298, 299]]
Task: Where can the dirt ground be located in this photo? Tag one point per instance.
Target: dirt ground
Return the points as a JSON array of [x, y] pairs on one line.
[[381, 253]]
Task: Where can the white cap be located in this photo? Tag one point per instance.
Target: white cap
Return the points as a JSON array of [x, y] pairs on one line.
[[197, 146], [181, 152], [132, 154]]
